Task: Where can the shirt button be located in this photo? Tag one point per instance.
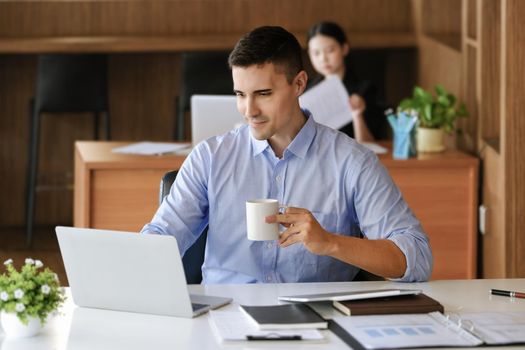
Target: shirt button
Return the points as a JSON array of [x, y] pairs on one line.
[[268, 278], [269, 245], [278, 178]]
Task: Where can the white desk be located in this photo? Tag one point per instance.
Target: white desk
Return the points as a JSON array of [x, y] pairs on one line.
[[81, 328]]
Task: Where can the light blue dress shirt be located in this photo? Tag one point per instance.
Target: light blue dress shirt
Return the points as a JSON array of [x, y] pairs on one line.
[[341, 182]]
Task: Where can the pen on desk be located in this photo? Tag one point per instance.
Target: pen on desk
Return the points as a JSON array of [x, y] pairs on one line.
[[273, 336], [507, 293]]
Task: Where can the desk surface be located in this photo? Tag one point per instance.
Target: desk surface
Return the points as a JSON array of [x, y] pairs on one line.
[[81, 328]]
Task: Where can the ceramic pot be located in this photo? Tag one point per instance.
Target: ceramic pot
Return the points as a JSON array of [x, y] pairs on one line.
[[430, 140], [13, 327]]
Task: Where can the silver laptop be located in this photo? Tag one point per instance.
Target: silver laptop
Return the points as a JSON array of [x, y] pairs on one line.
[[129, 272], [213, 115]]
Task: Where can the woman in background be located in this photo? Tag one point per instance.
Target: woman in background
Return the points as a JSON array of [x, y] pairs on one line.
[[327, 49]]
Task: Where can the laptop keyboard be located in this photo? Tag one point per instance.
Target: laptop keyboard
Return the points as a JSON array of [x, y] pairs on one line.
[[197, 307]]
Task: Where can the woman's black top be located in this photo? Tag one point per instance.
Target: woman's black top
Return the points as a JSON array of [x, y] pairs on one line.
[[373, 116]]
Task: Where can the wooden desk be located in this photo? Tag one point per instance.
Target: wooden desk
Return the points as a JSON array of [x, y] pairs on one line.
[[115, 191]]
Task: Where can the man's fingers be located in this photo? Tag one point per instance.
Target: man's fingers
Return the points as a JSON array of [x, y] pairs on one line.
[[294, 210], [290, 239]]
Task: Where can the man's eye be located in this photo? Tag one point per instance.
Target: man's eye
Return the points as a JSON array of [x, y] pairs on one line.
[[238, 94], [265, 93]]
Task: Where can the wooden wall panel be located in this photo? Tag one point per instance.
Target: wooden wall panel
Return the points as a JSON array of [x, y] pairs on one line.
[[142, 91], [493, 241], [491, 79], [143, 88], [514, 137], [83, 17], [441, 20], [16, 83]]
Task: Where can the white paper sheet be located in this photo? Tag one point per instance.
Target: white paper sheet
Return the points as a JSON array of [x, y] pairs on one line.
[[377, 149], [328, 102], [495, 327], [152, 148], [234, 325]]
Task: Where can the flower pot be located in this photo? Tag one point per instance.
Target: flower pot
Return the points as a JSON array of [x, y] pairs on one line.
[[13, 327], [430, 140]]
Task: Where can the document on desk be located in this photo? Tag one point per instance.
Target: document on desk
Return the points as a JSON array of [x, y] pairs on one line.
[[152, 148], [235, 326], [328, 102], [405, 331], [495, 328], [435, 329]]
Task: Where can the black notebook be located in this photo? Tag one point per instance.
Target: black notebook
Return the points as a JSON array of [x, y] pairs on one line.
[[289, 316], [404, 304]]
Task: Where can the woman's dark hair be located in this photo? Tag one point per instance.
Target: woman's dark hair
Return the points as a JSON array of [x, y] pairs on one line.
[[331, 29], [268, 45]]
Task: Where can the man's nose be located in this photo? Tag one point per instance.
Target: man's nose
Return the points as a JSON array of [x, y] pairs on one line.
[[251, 110]]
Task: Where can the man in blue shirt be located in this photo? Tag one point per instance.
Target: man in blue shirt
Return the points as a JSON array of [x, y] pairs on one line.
[[344, 211]]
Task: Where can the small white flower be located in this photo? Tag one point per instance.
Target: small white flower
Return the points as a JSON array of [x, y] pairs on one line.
[[19, 307], [45, 289], [38, 264], [56, 277], [8, 262], [19, 293], [30, 261], [4, 296]]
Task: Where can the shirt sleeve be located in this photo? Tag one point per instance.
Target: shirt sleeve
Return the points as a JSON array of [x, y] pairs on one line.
[[184, 212], [383, 214]]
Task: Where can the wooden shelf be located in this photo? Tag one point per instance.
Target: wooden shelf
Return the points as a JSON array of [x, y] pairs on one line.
[[115, 44], [471, 42], [452, 41], [493, 142]]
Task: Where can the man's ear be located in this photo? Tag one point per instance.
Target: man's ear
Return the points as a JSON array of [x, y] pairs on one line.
[[346, 49], [299, 82]]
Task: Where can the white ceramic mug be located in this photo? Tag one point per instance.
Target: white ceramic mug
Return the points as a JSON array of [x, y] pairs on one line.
[[256, 212]]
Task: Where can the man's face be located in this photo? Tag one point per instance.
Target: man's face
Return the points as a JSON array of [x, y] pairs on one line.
[[327, 55], [265, 99]]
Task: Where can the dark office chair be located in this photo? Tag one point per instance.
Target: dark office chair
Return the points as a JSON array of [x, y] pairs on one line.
[[65, 83], [194, 256], [204, 73]]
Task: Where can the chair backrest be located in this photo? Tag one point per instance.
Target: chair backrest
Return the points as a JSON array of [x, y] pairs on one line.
[[203, 73], [194, 256], [71, 83]]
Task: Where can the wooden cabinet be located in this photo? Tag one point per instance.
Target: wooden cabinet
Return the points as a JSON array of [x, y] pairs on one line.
[[442, 190], [115, 191]]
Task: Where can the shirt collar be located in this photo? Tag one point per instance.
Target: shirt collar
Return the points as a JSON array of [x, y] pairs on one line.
[[299, 145]]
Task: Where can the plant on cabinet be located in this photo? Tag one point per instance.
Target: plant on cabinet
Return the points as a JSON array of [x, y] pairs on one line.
[[436, 115]]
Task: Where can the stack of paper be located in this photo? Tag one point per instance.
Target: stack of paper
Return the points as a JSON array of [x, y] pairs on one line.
[[152, 148]]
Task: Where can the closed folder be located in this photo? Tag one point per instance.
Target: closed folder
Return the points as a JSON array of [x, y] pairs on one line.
[[404, 304]]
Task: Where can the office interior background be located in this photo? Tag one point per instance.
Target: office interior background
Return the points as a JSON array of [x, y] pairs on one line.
[[475, 48]]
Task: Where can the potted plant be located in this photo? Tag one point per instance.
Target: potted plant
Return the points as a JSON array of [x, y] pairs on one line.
[[435, 116], [27, 297]]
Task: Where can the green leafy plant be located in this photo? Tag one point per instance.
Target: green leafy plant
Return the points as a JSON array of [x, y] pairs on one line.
[[434, 112], [32, 291]]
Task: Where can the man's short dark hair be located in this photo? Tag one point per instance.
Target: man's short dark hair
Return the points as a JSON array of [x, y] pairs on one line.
[[268, 45]]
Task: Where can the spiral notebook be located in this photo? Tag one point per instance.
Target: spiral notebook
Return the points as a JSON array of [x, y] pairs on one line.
[[431, 330]]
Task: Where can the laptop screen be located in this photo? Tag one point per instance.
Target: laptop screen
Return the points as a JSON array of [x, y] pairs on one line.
[[213, 115]]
